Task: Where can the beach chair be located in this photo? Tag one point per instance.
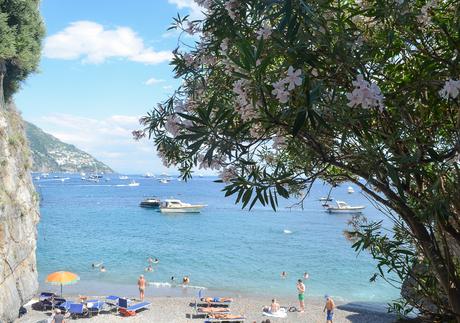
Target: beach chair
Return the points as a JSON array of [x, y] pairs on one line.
[[130, 309], [94, 306], [223, 318], [46, 296], [217, 301], [78, 310], [112, 300]]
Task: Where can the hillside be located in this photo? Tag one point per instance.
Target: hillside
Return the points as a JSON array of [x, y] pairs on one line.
[[49, 154]]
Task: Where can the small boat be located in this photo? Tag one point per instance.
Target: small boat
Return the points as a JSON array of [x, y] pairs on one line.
[[37, 178], [350, 190], [123, 177], [176, 206], [325, 199], [148, 175], [164, 181], [150, 202], [343, 207], [133, 183]]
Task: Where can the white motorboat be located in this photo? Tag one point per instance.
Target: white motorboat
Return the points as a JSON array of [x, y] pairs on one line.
[[123, 177], [350, 190], [343, 207], [164, 181], [176, 206], [133, 183], [148, 175]]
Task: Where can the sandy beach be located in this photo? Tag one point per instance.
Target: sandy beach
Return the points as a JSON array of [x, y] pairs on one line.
[[175, 309]]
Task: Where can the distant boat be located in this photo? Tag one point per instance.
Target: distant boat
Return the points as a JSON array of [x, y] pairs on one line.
[[325, 199], [350, 190], [343, 207], [133, 183], [176, 206], [37, 178], [149, 175], [150, 202], [164, 181], [45, 175], [82, 174], [123, 177]]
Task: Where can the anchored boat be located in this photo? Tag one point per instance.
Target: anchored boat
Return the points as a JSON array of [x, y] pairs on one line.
[[343, 207], [176, 206]]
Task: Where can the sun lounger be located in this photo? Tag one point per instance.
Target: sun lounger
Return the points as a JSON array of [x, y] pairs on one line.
[[78, 310], [94, 306], [112, 300], [212, 310], [129, 308], [46, 295], [222, 318]]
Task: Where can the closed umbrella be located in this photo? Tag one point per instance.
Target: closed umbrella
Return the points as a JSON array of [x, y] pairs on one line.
[[62, 278]]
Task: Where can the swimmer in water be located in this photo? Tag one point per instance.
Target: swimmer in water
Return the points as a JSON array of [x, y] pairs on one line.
[[305, 275], [185, 280], [149, 268], [283, 275], [102, 270]]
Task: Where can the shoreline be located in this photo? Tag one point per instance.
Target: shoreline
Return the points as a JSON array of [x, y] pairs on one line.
[[169, 309]]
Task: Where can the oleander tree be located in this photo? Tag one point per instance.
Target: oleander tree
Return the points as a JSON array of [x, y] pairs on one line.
[[21, 32], [279, 93]]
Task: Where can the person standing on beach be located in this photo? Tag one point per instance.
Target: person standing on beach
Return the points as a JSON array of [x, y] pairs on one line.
[[141, 284], [301, 292], [330, 309]]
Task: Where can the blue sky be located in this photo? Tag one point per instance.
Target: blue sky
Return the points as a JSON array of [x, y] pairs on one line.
[[104, 64]]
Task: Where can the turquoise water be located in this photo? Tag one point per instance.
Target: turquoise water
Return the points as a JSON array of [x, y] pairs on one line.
[[222, 248]]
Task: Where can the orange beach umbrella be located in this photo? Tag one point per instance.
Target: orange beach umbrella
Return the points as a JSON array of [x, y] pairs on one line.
[[62, 278]]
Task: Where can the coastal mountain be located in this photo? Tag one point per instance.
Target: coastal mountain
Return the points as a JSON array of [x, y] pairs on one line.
[[49, 154]]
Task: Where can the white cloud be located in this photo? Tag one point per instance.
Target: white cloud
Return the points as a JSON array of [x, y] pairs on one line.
[[92, 43], [195, 9], [153, 81], [109, 140]]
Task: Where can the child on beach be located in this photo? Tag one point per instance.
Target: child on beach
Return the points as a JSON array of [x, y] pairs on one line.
[[330, 308]]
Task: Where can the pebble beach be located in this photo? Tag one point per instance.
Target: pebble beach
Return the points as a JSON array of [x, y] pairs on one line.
[[179, 310]]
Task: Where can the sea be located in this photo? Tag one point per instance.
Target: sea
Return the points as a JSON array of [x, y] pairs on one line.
[[224, 249]]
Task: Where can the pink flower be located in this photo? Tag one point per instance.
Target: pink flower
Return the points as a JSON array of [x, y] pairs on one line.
[[172, 125], [366, 94], [230, 6], [293, 78], [138, 134], [227, 174], [224, 45], [264, 32], [451, 89], [279, 90]]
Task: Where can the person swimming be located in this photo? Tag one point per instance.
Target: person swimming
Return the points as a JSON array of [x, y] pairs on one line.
[[102, 269], [283, 275], [186, 280], [306, 275], [149, 268]]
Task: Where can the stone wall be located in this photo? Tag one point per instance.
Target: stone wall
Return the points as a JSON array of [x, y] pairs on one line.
[[19, 216]]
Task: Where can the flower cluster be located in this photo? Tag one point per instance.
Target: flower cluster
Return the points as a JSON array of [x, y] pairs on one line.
[[231, 6], [137, 134], [228, 173], [450, 89], [366, 94], [216, 163], [172, 125], [424, 18], [264, 32], [244, 106], [292, 80], [279, 141]]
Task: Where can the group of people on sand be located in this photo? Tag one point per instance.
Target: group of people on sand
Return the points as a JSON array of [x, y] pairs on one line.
[[329, 306]]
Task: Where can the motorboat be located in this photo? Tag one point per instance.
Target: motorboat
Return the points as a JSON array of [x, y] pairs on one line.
[[343, 207], [325, 199], [150, 202], [164, 181], [176, 206], [350, 190], [133, 183], [148, 175], [123, 177]]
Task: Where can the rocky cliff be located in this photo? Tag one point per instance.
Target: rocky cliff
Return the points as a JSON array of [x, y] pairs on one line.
[[18, 217]]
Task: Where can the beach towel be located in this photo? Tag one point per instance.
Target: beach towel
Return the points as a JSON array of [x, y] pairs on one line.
[[126, 312], [281, 313]]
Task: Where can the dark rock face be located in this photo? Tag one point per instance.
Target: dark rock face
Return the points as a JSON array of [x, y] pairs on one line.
[[19, 215]]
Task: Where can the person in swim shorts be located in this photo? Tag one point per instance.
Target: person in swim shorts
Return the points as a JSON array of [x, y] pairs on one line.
[[141, 285], [330, 308], [301, 294]]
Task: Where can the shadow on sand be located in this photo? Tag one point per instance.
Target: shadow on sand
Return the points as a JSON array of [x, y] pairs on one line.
[[366, 312]]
